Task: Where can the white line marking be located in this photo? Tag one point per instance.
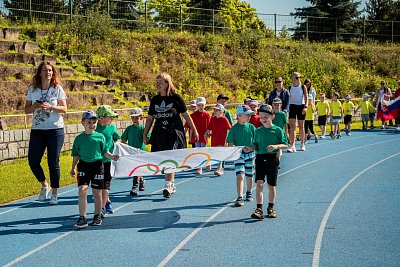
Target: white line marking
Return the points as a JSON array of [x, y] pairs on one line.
[[318, 241], [20, 258]]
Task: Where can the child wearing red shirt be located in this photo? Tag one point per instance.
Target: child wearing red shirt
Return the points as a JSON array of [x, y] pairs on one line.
[[218, 130], [254, 118]]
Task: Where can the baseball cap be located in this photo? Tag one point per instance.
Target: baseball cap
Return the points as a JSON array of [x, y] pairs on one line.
[[89, 114], [365, 95], [253, 103], [219, 106], [136, 112], [347, 96], [277, 101], [243, 109], [266, 108], [247, 99], [222, 96], [201, 100], [193, 103], [106, 111]]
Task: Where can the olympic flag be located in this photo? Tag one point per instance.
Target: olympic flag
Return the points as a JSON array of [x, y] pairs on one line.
[[136, 162]]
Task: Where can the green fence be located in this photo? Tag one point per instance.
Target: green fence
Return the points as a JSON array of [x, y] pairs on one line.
[[146, 15]]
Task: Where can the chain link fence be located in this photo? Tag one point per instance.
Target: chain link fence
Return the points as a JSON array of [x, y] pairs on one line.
[[147, 15]]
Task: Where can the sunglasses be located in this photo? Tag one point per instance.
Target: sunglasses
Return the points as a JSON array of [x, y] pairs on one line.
[[297, 78], [278, 81]]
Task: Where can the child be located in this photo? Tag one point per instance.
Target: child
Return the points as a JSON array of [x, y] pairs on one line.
[[364, 105], [322, 110], [87, 151], [336, 115], [242, 134], [201, 120], [348, 108], [268, 140], [110, 132], [218, 129], [372, 112], [280, 119], [254, 118], [309, 121], [133, 134]]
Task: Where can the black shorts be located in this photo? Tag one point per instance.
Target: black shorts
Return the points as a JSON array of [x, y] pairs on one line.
[[167, 139], [347, 119], [107, 175], [267, 165], [322, 120], [91, 172], [296, 112]]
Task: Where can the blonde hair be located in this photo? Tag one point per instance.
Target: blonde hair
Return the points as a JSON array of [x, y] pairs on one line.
[[167, 78], [37, 80], [296, 74]]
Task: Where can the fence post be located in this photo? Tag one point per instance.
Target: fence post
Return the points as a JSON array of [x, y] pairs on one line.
[[70, 10], [145, 16], [108, 7], [213, 21], [30, 11], [181, 17], [307, 28], [275, 25], [336, 31], [392, 31]]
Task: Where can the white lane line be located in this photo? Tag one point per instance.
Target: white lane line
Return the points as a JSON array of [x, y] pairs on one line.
[[20, 258], [30, 203], [199, 228], [318, 241]]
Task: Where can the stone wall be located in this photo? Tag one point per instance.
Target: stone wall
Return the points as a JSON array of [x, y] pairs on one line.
[[14, 143]]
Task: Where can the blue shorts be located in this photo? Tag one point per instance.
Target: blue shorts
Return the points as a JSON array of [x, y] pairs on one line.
[[372, 116], [335, 119], [245, 165]]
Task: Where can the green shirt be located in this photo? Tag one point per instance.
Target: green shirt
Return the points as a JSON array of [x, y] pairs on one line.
[[241, 134], [89, 147], [134, 135], [269, 136], [110, 132], [229, 117], [280, 120]]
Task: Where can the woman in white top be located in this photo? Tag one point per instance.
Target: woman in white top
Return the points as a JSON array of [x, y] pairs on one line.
[[297, 111], [46, 99], [311, 90]]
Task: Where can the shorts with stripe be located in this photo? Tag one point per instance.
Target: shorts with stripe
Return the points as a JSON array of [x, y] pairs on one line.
[[245, 165]]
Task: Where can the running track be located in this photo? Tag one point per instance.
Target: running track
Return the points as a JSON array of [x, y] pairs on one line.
[[337, 204]]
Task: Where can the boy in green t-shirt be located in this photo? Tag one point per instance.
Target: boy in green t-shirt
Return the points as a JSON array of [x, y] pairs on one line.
[[280, 120], [106, 114], [242, 134], [133, 134], [268, 139], [87, 151]]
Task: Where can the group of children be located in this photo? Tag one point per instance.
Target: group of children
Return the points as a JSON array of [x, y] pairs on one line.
[[261, 129]]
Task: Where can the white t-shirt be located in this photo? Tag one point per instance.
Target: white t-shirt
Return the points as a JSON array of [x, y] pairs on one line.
[[45, 119], [296, 95]]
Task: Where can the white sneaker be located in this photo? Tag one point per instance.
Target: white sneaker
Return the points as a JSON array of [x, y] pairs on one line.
[[398, 128], [53, 200], [303, 147], [43, 194], [322, 136], [291, 149], [169, 189]]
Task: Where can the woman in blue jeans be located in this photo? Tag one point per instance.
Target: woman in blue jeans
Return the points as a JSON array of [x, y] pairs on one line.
[[46, 99]]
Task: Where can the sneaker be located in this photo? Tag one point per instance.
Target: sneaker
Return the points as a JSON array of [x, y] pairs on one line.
[[96, 220], [332, 135], [141, 186], [134, 191], [258, 214], [109, 208], [103, 213], [43, 194], [348, 133], [372, 127], [53, 200], [81, 223], [239, 202], [271, 212], [398, 128], [322, 136], [291, 149], [199, 170], [303, 147], [169, 190], [249, 196], [219, 172], [338, 136]]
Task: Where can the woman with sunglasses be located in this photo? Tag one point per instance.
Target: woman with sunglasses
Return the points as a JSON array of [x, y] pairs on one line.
[[311, 90], [297, 111], [281, 93]]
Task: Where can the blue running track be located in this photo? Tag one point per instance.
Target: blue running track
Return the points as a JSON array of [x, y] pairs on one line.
[[337, 205]]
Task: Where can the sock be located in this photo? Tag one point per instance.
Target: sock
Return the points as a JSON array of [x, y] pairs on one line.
[[168, 183], [270, 205], [259, 206]]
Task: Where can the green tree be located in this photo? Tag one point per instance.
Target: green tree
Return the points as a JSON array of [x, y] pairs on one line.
[[340, 20], [380, 14]]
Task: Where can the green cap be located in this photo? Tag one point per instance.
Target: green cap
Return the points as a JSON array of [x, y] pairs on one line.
[[106, 111]]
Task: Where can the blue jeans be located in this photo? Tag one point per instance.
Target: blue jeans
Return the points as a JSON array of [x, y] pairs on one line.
[[53, 140]]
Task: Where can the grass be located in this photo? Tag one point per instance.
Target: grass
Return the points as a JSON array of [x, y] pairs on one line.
[[18, 181]]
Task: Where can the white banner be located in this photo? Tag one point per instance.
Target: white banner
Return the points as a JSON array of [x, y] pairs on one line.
[[136, 162]]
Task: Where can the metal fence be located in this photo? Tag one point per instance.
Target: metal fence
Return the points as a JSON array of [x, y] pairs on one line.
[[147, 15]]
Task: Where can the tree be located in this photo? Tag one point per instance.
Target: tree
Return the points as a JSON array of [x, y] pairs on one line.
[[380, 14], [339, 20]]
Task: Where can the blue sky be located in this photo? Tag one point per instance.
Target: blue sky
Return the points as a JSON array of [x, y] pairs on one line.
[[283, 7]]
